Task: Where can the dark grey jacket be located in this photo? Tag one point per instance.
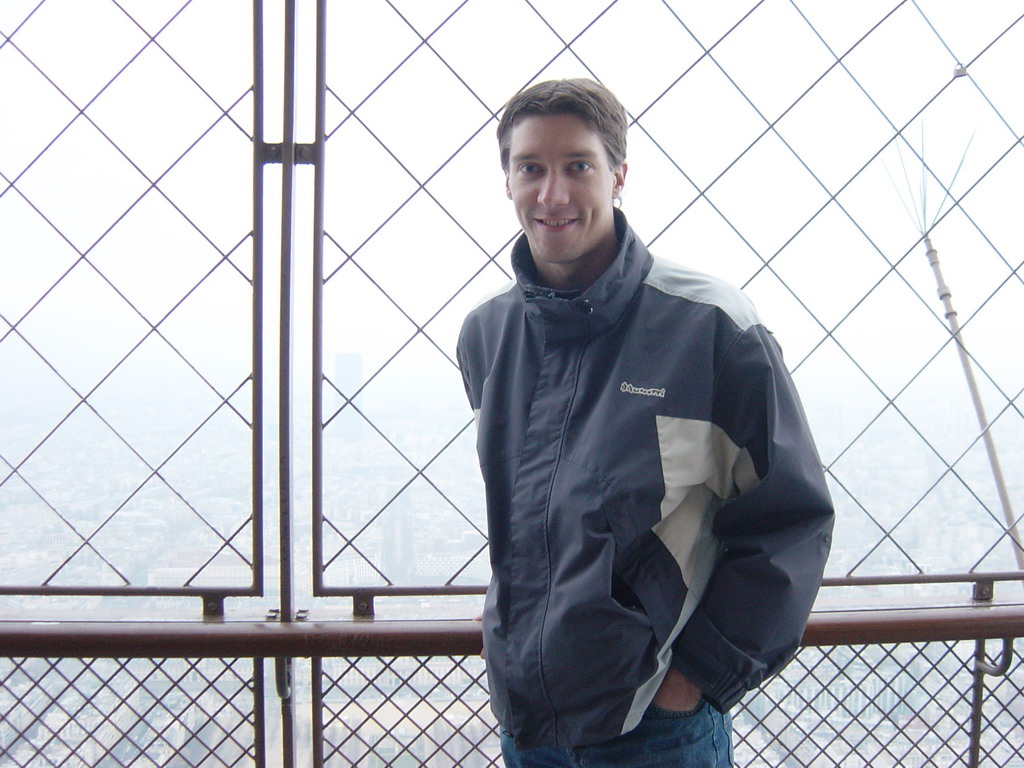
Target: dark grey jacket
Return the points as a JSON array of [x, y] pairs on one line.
[[654, 497]]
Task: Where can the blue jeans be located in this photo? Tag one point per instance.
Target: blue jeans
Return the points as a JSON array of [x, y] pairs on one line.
[[700, 738]]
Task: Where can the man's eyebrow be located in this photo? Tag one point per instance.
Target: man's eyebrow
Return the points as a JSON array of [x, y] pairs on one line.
[[583, 154]]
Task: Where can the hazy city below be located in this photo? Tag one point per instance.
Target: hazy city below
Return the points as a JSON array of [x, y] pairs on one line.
[[170, 507]]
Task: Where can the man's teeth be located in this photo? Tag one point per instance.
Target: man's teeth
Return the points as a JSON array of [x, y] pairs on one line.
[[556, 222]]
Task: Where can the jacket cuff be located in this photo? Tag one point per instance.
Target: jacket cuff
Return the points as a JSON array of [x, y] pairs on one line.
[[712, 663]]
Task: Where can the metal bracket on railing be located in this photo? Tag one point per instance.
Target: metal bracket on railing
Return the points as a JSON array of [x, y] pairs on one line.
[[984, 590], [1000, 668], [213, 606], [362, 604], [305, 154], [283, 677]]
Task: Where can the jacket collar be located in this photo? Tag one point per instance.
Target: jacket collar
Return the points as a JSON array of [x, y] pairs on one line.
[[593, 311]]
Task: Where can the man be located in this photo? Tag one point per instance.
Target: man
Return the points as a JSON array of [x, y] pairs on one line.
[[658, 517]]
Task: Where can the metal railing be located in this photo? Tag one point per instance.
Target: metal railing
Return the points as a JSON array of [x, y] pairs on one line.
[[895, 687]]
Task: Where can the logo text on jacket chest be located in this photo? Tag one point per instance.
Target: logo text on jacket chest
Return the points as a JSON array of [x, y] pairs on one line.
[[629, 389]]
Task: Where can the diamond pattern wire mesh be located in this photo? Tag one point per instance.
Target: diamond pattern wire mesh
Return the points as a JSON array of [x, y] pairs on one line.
[[1003, 720], [378, 712], [139, 712], [901, 705], [797, 148], [896, 705], [126, 295], [906, 705]]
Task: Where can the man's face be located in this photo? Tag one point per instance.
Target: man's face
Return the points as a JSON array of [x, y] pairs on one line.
[[562, 187]]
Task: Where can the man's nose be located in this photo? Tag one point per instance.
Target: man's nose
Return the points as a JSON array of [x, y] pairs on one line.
[[554, 190]]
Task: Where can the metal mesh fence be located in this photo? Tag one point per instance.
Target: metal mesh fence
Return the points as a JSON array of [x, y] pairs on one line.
[[140, 712], [896, 705], [799, 149], [405, 711], [127, 296], [899, 705], [809, 179], [903, 705], [1003, 722], [893, 705]]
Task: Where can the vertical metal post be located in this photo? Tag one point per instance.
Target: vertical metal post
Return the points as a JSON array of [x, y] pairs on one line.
[[257, 298], [977, 696], [317, 699], [283, 672], [258, 244], [982, 668], [284, 666], [317, 419], [285, 358], [258, 712]]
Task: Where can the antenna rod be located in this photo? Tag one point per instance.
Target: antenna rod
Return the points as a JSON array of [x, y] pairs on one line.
[[993, 458]]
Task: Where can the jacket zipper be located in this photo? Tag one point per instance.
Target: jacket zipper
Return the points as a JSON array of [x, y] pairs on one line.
[[547, 539]]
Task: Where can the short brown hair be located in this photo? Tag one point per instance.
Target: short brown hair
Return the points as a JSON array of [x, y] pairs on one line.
[[588, 100]]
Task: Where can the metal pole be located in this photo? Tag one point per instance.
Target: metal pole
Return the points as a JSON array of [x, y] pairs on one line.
[[977, 694], [317, 418], [283, 666], [982, 668], [316, 421], [259, 715], [287, 269], [257, 300], [317, 697], [993, 457]]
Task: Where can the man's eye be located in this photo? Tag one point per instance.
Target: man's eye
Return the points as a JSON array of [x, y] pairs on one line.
[[528, 168], [580, 166]]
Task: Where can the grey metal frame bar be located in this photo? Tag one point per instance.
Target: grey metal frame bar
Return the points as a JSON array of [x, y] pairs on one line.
[[317, 436], [258, 285], [284, 665]]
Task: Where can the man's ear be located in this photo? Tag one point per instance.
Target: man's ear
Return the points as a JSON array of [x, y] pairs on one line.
[[508, 189], [619, 180]]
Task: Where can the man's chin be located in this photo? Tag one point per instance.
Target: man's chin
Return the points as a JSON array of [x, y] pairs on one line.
[[554, 250], [556, 258]]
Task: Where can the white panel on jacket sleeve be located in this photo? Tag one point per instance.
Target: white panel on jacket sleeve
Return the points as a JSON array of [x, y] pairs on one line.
[[697, 452], [740, 475], [743, 473], [686, 531], [686, 458]]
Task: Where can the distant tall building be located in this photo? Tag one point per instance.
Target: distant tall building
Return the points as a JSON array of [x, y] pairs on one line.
[[398, 550]]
